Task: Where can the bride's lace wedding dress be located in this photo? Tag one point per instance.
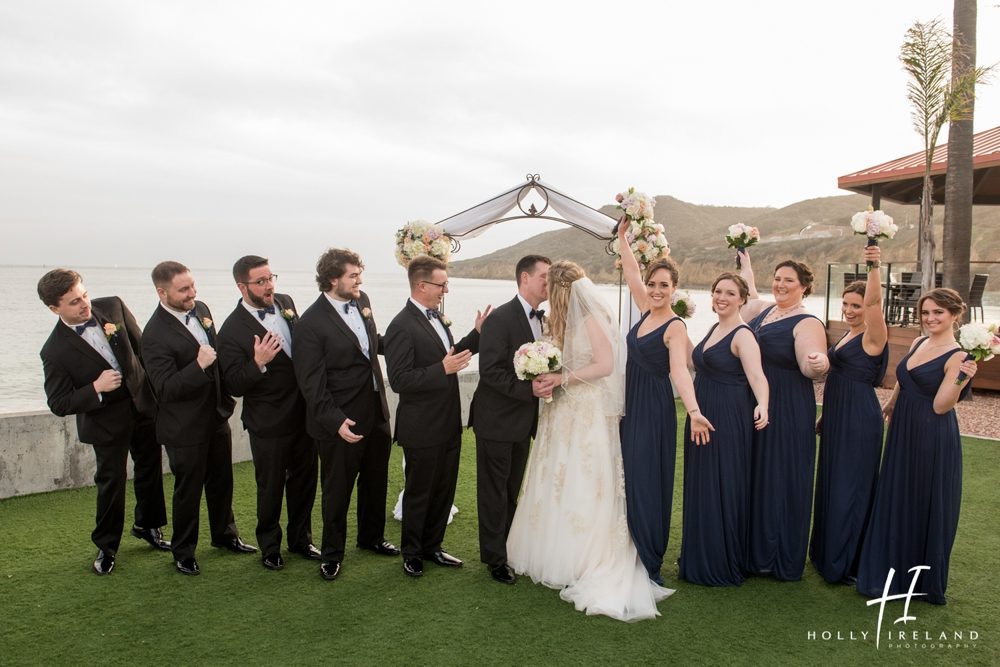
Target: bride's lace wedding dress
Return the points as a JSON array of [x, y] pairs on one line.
[[569, 531]]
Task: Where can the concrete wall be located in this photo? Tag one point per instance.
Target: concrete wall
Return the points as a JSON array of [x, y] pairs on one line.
[[41, 452]]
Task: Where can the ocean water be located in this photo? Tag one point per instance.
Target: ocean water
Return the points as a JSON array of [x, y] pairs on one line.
[[31, 321]]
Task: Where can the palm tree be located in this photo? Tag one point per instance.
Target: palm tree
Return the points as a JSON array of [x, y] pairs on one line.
[[936, 99], [958, 180]]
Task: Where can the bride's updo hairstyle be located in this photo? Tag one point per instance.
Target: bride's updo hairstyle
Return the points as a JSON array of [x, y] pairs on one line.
[[562, 274]]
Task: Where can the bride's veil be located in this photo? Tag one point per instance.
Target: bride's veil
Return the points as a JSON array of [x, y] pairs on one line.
[[586, 305]]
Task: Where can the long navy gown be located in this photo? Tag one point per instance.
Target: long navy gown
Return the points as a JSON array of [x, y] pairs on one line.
[[919, 492], [717, 475], [850, 447], [649, 445], [783, 457]]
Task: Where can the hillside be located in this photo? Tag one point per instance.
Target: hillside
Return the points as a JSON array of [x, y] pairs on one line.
[[815, 231]]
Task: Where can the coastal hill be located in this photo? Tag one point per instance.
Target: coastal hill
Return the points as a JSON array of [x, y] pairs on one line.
[[815, 231]]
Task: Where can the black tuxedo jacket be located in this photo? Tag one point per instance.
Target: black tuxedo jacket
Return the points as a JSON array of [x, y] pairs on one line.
[[333, 373], [272, 404], [429, 411], [503, 407], [193, 402], [71, 365]]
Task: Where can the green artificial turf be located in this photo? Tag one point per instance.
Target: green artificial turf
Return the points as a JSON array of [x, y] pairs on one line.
[[54, 611]]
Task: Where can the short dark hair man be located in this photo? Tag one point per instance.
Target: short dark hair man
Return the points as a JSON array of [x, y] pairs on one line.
[[504, 412], [93, 370], [337, 344], [255, 354], [193, 419]]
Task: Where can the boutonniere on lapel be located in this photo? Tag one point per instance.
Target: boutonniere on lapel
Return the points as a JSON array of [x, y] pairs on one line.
[[110, 330], [288, 314], [206, 323], [445, 320], [366, 313]]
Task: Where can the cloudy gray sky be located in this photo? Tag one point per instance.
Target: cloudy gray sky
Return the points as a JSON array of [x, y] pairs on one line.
[[132, 132]]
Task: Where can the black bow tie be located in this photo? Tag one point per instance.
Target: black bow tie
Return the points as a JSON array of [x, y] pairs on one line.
[[433, 314], [190, 315], [540, 313], [80, 328], [264, 312], [349, 304]]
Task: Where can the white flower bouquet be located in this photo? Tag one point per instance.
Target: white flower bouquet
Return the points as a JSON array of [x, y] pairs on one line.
[[981, 342], [681, 304], [536, 358], [645, 236], [741, 237], [419, 237], [875, 225]]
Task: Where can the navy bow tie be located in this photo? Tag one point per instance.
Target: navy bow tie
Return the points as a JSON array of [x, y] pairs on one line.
[[190, 315], [80, 328], [433, 314], [540, 313], [349, 305], [263, 312]]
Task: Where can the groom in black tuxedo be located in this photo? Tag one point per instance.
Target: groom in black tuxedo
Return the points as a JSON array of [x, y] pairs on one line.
[[93, 370], [255, 355], [504, 412], [423, 361], [336, 362], [178, 348]]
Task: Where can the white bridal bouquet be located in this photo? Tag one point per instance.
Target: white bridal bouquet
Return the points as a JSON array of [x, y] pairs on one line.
[[682, 304], [419, 237], [535, 358], [741, 237], [645, 236], [875, 225], [980, 342]]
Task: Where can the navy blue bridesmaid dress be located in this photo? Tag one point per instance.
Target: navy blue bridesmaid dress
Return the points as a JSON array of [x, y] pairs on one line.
[[783, 457], [717, 475], [850, 448], [649, 445], [919, 491]]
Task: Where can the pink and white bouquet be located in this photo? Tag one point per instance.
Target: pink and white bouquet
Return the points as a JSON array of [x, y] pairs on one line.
[[741, 237], [645, 236], [875, 225], [981, 342], [536, 358], [419, 237], [681, 304]]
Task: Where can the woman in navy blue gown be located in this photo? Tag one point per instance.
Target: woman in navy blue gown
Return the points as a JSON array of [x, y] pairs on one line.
[[717, 468], [793, 349], [850, 431], [658, 351], [919, 492]]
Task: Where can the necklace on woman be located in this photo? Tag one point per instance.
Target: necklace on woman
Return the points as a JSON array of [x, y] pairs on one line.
[[778, 312]]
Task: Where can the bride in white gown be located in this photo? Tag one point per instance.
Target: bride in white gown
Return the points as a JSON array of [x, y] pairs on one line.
[[569, 531]]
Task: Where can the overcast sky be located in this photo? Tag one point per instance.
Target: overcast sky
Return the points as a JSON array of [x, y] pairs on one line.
[[132, 132]]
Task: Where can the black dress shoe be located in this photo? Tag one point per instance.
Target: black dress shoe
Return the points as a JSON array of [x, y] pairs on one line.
[[153, 536], [502, 573], [382, 548], [308, 551], [413, 567], [273, 561], [237, 546], [187, 566], [104, 563], [330, 570], [443, 559]]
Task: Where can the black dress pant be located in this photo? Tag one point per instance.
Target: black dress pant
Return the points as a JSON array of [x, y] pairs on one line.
[[284, 466], [343, 463], [429, 492], [499, 473], [205, 465]]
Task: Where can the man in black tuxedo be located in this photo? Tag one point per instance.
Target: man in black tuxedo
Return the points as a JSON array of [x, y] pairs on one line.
[[504, 412], [255, 355], [336, 361], [423, 361], [93, 369], [193, 418]]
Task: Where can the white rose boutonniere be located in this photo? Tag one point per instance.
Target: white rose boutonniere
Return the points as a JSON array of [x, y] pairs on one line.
[[288, 314], [445, 320], [366, 313], [206, 323]]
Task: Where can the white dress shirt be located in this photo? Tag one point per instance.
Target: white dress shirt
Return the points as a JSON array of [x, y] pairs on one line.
[[435, 322], [534, 322], [193, 324], [275, 323], [96, 339], [355, 322]]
